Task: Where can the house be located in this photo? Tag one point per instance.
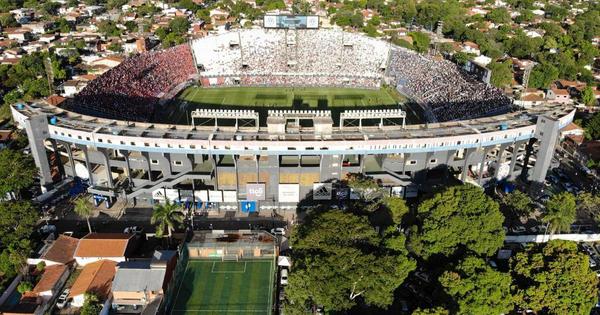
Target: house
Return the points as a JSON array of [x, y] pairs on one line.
[[51, 282], [571, 130], [48, 38], [56, 100], [139, 283], [561, 96], [110, 62], [471, 48], [6, 137], [217, 16], [531, 98], [20, 34], [95, 278], [102, 246], [72, 87], [39, 27], [59, 252]]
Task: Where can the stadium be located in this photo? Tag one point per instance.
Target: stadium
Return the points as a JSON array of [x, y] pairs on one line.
[[264, 118]]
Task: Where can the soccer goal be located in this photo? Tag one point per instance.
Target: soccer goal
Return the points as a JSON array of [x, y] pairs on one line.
[[230, 257]]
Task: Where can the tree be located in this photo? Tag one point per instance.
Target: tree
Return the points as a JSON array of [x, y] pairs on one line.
[[420, 41], [108, 28], [17, 172], [179, 25], [590, 204], [166, 216], [460, 217], [519, 202], [340, 260], [542, 75], [91, 305], [502, 75], [554, 278], [477, 288], [17, 220], [365, 187], [592, 128], [587, 96], [431, 311], [84, 209], [561, 210], [24, 286], [499, 15]]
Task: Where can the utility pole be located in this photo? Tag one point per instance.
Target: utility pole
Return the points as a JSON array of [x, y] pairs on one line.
[[49, 73]]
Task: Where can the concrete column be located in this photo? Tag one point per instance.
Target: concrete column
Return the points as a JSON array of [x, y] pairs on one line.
[[146, 156], [70, 155], [36, 128], [84, 149], [547, 132], [469, 152], [499, 159], [61, 168], [106, 158], [127, 166], [513, 161]]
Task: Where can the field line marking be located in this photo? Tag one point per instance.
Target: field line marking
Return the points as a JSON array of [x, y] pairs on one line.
[[180, 284], [235, 311]]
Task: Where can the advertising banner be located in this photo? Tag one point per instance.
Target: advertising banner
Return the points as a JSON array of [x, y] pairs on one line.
[[322, 191], [289, 193], [255, 192]]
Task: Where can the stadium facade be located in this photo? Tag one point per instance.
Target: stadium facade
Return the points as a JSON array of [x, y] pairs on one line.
[[107, 136]]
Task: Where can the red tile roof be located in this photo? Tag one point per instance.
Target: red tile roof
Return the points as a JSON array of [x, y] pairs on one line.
[[62, 250], [95, 278]]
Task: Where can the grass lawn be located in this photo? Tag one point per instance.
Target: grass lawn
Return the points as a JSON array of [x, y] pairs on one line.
[[262, 99], [225, 287]]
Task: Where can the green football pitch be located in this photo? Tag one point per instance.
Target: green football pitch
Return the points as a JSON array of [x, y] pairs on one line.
[[289, 97], [225, 287], [262, 99]]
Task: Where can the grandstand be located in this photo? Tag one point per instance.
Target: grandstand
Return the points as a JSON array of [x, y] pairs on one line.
[[264, 106]]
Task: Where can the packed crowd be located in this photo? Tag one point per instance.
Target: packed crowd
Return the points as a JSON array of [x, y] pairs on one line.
[[131, 89], [294, 80], [443, 89], [280, 52]]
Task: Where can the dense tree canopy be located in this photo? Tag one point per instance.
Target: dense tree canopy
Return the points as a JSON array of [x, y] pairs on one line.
[[501, 73], [561, 211], [519, 202], [460, 217], [339, 257], [477, 288], [17, 172], [554, 278]]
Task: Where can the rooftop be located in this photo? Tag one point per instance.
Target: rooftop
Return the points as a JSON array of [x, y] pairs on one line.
[[62, 250], [95, 278], [103, 245]]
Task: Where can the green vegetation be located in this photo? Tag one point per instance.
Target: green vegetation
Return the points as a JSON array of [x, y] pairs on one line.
[[167, 216], [477, 288], [457, 219], [560, 212], [225, 287], [83, 208], [554, 278], [519, 202], [91, 305], [287, 97]]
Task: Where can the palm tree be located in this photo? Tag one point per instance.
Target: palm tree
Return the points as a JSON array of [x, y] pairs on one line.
[[84, 209], [166, 216], [561, 212]]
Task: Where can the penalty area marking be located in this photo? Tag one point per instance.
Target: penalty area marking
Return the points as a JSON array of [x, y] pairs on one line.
[[234, 271]]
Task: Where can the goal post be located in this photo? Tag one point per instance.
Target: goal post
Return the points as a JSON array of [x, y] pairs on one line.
[[230, 257]]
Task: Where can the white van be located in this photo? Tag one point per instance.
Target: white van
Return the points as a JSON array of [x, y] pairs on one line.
[[283, 278]]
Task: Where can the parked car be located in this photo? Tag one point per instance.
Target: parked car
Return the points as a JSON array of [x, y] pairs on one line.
[[133, 230], [518, 229], [61, 302], [592, 263], [47, 229], [283, 278], [278, 231]]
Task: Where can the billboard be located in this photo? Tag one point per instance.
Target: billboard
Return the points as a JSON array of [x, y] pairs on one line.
[[171, 194], [322, 191], [215, 196], [229, 196], [255, 192], [201, 195], [291, 21], [289, 193], [248, 206]]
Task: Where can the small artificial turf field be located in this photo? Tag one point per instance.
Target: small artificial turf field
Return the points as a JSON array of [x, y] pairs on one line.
[[225, 287]]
